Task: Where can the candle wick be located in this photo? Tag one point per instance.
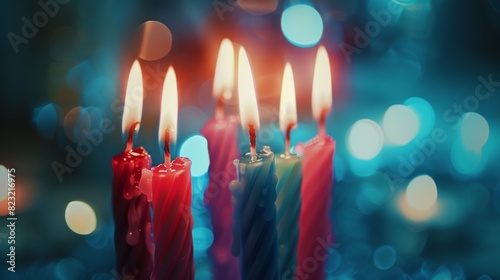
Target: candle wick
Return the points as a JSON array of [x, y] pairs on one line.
[[219, 109], [287, 138], [130, 140], [253, 149], [322, 122], [166, 147]]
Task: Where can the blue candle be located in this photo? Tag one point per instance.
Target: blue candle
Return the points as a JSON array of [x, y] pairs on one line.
[[255, 216], [254, 194]]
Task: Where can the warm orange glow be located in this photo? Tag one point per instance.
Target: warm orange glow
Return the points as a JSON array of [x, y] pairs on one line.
[[322, 85], [224, 71], [169, 107], [288, 107], [132, 111], [249, 112], [413, 214]]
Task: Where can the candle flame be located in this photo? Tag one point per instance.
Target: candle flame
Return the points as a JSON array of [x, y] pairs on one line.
[[134, 95], [288, 107], [322, 85], [169, 107], [249, 112], [224, 71]]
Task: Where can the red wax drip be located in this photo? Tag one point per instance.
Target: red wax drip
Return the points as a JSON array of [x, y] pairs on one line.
[[131, 132], [133, 244]]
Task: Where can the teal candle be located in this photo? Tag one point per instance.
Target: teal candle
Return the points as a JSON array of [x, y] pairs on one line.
[[254, 226], [289, 173], [254, 194]]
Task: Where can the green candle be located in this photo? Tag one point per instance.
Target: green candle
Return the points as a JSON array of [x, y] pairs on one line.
[[289, 173]]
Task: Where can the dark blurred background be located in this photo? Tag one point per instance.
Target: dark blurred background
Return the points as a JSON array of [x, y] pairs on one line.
[[68, 72]]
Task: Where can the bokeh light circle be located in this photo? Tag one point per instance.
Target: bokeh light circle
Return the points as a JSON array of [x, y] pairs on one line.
[[76, 121], [365, 139], [257, 7], [442, 273], [400, 124], [464, 160], [302, 25], [196, 149], [405, 2], [384, 257], [155, 40], [46, 119], [421, 193], [202, 238], [69, 269], [425, 114], [80, 217], [474, 131], [333, 261]]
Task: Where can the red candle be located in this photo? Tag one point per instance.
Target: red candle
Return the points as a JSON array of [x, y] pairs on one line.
[[133, 243], [169, 186], [222, 136], [315, 235]]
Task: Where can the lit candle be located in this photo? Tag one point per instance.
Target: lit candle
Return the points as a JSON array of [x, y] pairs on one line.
[[133, 243], [317, 180], [222, 136], [169, 186], [254, 224], [289, 172]]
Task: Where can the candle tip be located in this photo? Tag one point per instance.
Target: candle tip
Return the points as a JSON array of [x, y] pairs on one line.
[[166, 147], [130, 141]]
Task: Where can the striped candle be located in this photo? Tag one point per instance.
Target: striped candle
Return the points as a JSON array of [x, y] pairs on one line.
[[254, 223], [222, 136], [289, 173], [315, 230]]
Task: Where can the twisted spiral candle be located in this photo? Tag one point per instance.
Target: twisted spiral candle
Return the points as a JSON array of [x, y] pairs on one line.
[[222, 137], [289, 173], [172, 220], [316, 191], [254, 227]]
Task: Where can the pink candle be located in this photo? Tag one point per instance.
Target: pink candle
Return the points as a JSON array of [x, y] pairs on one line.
[[169, 187], [133, 243], [222, 136], [315, 236]]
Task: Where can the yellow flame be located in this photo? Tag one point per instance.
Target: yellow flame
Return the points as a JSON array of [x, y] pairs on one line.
[[169, 107], [322, 84], [288, 107], [249, 112], [134, 95], [224, 71]]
